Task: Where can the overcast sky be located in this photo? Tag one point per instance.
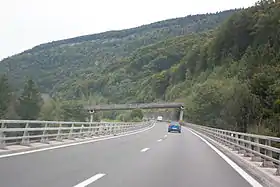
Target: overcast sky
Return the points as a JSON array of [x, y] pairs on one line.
[[26, 23]]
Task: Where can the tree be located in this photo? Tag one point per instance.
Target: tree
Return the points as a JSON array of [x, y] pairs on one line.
[[136, 113], [52, 110], [5, 96], [30, 102], [74, 112]]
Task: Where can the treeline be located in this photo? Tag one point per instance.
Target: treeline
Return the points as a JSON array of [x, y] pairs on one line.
[[135, 115], [237, 73], [66, 66], [30, 105], [26, 106], [232, 81]]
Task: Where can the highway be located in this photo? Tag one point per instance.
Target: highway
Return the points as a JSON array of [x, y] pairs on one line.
[[153, 158]]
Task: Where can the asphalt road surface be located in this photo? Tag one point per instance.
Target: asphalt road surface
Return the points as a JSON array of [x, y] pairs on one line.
[[153, 158]]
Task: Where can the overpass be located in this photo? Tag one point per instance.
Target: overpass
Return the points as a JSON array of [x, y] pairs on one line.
[[95, 108], [138, 155]]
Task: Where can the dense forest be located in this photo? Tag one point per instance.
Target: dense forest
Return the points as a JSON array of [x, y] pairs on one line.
[[30, 104], [224, 67], [71, 63]]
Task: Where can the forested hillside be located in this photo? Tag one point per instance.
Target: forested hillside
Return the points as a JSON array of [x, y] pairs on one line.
[[62, 66], [224, 66]]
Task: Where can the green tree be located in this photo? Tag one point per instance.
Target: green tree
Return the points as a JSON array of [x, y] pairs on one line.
[[5, 96], [52, 110], [136, 113], [74, 112], [30, 102]]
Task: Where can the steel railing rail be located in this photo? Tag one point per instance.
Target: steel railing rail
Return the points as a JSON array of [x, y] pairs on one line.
[[261, 148], [24, 132]]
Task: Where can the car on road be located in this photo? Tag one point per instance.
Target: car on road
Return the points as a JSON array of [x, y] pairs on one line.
[[174, 126], [159, 118]]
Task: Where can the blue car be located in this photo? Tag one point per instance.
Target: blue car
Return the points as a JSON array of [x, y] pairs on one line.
[[174, 126]]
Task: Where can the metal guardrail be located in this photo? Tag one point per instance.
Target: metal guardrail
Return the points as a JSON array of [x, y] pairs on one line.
[[24, 132], [265, 149]]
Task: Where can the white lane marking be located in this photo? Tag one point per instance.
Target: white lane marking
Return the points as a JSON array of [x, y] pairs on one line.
[[145, 149], [159, 140], [165, 136], [238, 169], [73, 144], [90, 180]]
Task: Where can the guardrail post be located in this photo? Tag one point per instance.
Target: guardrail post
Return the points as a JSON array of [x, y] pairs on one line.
[[25, 138], [115, 130], [91, 130], [105, 129], [81, 134], [58, 137], [2, 136], [257, 158], [278, 168], [111, 126], [236, 148], [231, 140], [44, 138], [248, 146], [213, 134], [225, 134], [128, 127], [266, 163], [121, 128], [70, 135], [97, 131], [88, 133], [102, 128], [241, 151], [219, 135]]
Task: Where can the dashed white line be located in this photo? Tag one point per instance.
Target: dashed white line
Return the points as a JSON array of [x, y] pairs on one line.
[[159, 140], [90, 180], [145, 149], [238, 169]]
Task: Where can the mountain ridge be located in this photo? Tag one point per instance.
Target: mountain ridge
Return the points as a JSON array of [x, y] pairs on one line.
[[113, 32], [91, 56]]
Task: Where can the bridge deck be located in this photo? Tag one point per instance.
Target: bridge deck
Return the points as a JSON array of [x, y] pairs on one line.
[[134, 106]]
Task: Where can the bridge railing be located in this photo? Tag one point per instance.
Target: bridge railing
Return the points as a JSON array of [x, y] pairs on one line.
[[265, 149], [25, 132]]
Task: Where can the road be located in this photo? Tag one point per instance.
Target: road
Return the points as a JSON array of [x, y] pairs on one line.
[[147, 159]]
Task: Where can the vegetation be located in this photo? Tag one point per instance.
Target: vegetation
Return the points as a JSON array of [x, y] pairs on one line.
[[224, 66], [29, 103], [5, 96], [25, 107], [75, 67]]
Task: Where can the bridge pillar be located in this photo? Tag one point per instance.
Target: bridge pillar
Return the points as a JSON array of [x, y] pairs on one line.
[[181, 115], [91, 112]]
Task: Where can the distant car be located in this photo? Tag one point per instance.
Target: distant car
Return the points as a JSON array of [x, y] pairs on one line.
[[159, 118], [174, 126]]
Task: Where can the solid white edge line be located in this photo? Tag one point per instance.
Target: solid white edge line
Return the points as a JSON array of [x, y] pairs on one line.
[[238, 169], [145, 149], [73, 144], [90, 180]]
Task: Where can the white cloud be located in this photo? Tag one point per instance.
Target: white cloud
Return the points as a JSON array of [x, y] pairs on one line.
[[26, 23]]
